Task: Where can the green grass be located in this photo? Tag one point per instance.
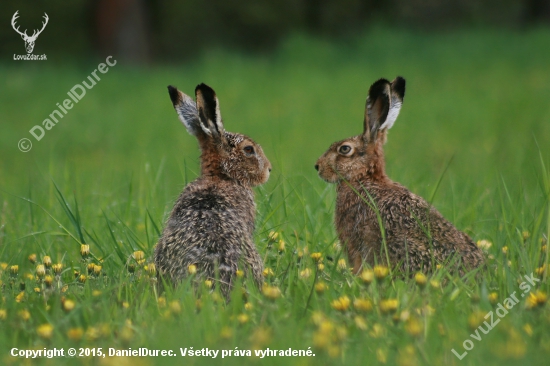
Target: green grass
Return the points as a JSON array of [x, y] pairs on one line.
[[109, 172]]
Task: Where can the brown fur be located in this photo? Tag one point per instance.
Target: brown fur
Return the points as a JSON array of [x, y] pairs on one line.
[[417, 236], [212, 223]]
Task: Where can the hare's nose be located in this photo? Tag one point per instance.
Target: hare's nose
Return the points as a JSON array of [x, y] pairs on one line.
[[269, 169], [317, 167]]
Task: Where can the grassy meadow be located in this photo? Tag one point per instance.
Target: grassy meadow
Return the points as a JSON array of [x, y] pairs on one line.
[[473, 137]]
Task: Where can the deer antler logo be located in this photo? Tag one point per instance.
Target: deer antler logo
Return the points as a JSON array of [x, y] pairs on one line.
[[29, 41]]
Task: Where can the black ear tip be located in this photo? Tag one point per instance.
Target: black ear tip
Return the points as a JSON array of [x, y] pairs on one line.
[[378, 87], [398, 85], [204, 89], [174, 94]]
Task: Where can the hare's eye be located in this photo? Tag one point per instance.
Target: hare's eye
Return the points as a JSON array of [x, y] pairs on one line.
[[249, 150], [344, 149]]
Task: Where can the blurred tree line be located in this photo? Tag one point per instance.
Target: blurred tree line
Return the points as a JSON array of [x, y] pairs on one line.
[[141, 31]]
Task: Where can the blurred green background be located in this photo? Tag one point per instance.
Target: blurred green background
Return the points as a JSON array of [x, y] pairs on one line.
[[293, 75]]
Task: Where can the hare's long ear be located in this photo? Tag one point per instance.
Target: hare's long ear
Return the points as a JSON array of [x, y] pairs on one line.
[[186, 109], [396, 101], [209, 112], [376, 109]]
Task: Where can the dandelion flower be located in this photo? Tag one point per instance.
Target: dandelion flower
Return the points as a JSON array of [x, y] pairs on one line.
[[32, 258], [414, 327], [342, 265], [321, 287], [47, 261], [24, 314], [192, 269], [226, 333], [305, 273], [57, 268], [84, 250], [389, 305], [242, 318], [14, 270], [273, 235], [341, 304], [20, 297], [367, 276], [48, 280], [68, 305], [138, 255], [271, 292], [484, 244], [380, 272], [75, 334], [40, 271], [363, 305], [420, 279], [360, 322], [45, 331], [316, 256]]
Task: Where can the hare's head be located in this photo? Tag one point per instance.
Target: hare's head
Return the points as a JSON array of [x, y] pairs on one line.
[[362, 155], [225, 154]]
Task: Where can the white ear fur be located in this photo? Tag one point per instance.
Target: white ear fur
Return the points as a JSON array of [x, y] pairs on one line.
[[188, 115], [219, 122], [208, 107], [395, 107], [396, 101], [186, 109]]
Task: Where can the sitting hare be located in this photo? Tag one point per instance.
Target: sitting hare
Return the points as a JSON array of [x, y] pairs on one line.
[[371, 208], [212, 223]]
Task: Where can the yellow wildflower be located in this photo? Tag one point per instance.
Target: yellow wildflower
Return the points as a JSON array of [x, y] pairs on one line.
[[305, 273], [45, 331], [362, 305], [367, 276], [493, 298], [414, 327], [68, 305], [14, 270], [420, 279], [341, 304], [47, 261], [84, 250], [271, 292], [75, 334], [342, 265], [317, 257], [24, 314], [242, 318], [40, 271], [484, 244], [321, 287], [380, 272], [389, 305]]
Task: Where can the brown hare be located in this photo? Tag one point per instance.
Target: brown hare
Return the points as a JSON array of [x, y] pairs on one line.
[[371, 208], [212, 223]]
